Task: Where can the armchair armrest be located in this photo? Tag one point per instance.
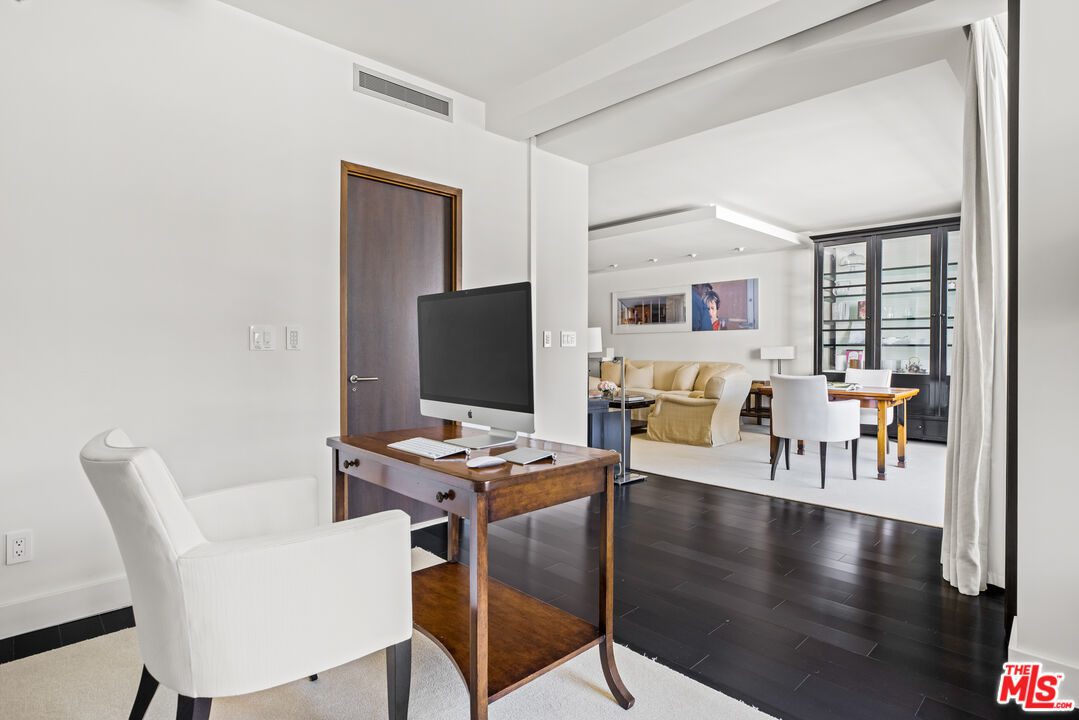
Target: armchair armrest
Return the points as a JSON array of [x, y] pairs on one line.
[[260, 508], [270, 610]]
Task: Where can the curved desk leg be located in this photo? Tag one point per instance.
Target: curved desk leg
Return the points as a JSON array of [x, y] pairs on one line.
[[477, 559], [606, 597]]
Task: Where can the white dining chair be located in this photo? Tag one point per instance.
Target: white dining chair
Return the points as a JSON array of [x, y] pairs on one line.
[[241, 590], [872, 378], [801, 409]]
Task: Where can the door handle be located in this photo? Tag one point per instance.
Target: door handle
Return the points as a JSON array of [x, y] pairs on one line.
[[356, 379]]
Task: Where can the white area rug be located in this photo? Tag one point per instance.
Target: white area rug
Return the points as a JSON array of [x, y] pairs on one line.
[[97, 679], [914, 493]]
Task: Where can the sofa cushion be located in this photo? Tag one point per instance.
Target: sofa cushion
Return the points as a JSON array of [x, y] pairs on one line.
[[685, 376], [707, 370], [609, 371], [640, 376], [663, 373]]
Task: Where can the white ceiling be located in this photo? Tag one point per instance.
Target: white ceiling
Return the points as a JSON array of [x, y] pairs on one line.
[[478, 47], [874, 153], [693, 235]]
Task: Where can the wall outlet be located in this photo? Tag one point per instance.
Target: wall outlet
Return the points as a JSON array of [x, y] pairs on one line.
[[569, 338], [546, 338], [20, 546]]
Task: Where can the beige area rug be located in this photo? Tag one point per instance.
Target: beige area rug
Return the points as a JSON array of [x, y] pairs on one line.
[[97, 679], [914, 493]]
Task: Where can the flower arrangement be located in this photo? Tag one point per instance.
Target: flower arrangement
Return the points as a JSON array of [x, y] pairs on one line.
[[607, 388]]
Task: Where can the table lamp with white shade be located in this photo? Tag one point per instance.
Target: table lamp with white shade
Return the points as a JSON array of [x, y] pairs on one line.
[[595, 340], [779, 353]]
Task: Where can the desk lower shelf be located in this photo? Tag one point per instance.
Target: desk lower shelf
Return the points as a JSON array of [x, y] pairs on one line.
[[526, 637]]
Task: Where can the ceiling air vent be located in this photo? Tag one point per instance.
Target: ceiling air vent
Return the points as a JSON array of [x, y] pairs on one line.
[[401, 93]]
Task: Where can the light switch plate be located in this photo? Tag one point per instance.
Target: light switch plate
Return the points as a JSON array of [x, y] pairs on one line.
[[546, 338], [569, 338], [293, 339], [260, 337]]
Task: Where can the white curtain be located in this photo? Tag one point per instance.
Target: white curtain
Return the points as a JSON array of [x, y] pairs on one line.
[[972, 553]]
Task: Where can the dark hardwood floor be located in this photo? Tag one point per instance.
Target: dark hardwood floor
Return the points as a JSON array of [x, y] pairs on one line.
[[803, 611]]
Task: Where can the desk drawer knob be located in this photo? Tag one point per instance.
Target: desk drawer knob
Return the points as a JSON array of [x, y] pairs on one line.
[[448, 495], [352, 463]]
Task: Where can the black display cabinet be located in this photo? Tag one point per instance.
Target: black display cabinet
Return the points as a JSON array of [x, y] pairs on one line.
[[885, 298]]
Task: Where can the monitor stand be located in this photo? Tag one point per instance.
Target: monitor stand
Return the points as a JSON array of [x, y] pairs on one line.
[[494, 438]]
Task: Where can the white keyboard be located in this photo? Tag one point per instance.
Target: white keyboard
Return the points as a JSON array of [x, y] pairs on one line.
[[427, 448]]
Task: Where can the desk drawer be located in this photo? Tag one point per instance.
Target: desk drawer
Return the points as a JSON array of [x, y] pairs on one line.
[[424, 489]]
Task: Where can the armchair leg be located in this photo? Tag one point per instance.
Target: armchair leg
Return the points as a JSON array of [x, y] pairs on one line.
[[787, 452], [313, 678], [147, 688], [854, 458], [775, 459], [193, 708], [823, 461], [398, 678]]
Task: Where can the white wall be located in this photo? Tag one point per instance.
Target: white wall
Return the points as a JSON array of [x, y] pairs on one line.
[[169, 174], [560, 269], [1047, 626], [785, 307]]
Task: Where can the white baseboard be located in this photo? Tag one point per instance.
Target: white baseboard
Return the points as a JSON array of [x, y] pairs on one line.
[[1069, 689], [42, 611]]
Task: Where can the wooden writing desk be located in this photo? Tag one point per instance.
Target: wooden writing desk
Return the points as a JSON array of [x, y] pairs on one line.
[[879, 397], [498, 637]]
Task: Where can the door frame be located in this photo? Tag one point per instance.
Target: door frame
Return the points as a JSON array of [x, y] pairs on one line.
[[453, 269]]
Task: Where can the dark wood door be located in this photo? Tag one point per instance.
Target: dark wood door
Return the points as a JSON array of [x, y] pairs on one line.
[[399, 240]]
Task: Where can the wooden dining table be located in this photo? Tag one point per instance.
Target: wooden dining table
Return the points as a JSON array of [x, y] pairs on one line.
[[881, 398]]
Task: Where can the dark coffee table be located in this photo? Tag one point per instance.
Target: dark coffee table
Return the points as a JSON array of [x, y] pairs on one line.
[[634, 425], [605, 426]]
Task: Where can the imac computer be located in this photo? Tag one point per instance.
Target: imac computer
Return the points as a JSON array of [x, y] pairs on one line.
[[476, 360]]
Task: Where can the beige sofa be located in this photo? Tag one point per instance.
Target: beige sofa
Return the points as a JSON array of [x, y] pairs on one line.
[[697, 403]]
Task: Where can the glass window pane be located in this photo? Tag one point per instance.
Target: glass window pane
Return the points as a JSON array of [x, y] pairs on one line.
[[951, 293], [905, 303], [843, 305]]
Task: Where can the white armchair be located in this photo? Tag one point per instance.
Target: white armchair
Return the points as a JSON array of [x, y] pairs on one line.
[[801, 409], [240, 590]]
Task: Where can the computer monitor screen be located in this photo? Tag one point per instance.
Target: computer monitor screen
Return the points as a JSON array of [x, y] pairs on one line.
[[476, 356]]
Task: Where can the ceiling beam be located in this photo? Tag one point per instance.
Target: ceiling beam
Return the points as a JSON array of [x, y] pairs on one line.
[[740, 91], [696, 36]]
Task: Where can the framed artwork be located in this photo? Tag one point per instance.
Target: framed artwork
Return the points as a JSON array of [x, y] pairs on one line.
[[648, 311], [726, 305]]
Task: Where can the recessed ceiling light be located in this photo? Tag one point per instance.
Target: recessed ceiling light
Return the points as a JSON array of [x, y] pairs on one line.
[[692, 255], [738, 249], [653, 260]]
